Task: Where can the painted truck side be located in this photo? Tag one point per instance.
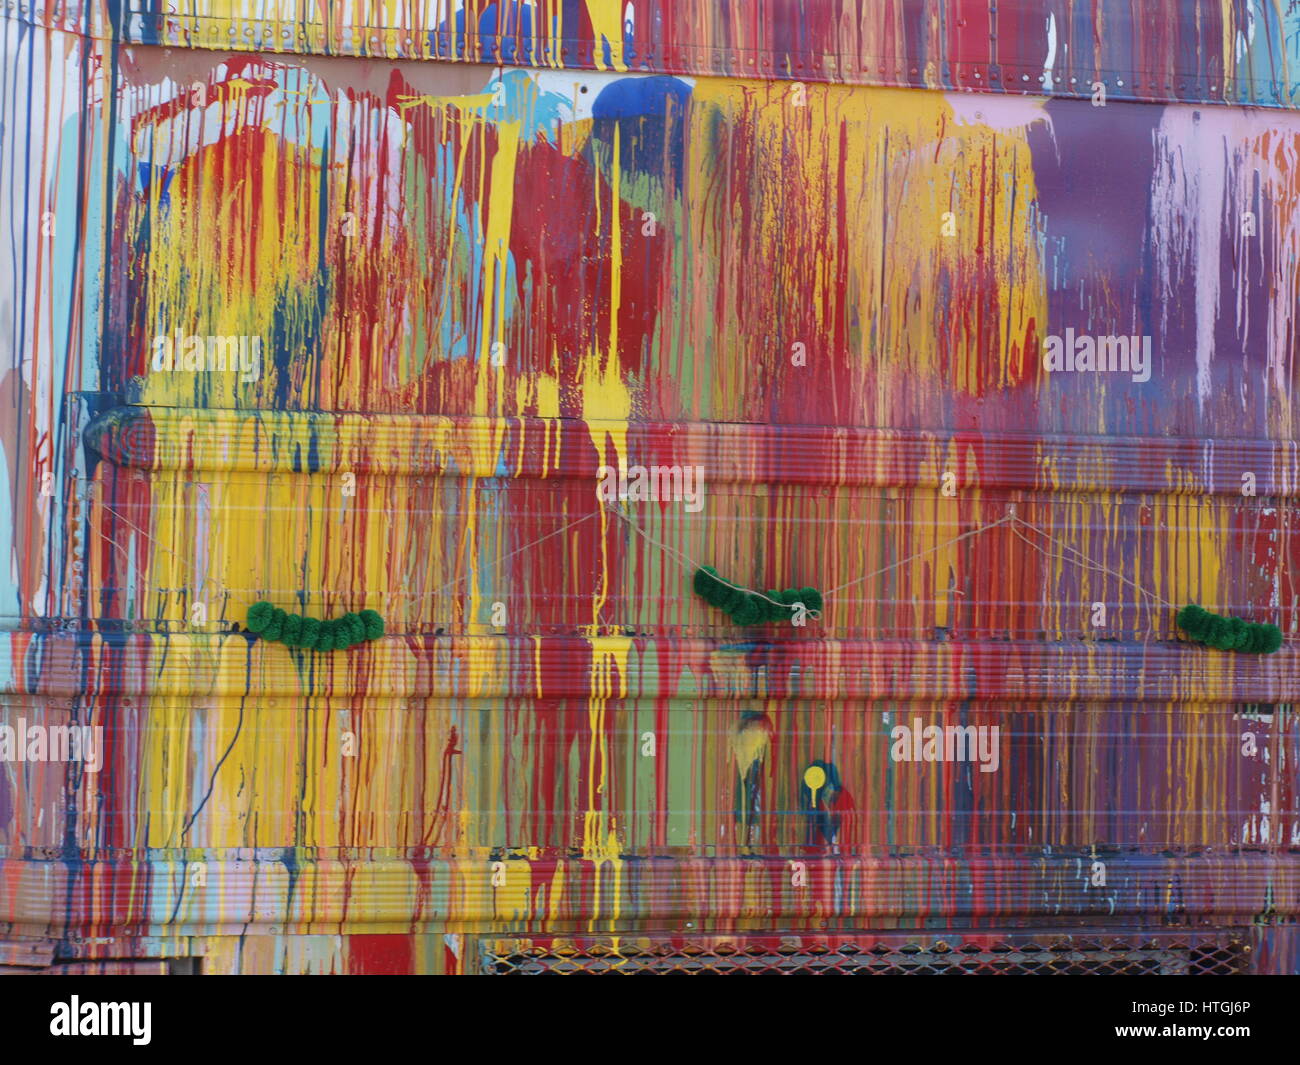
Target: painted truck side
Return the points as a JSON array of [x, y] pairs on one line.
[[501, 320]]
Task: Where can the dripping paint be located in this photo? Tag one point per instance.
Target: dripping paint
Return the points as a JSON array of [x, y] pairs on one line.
[[477, 270]]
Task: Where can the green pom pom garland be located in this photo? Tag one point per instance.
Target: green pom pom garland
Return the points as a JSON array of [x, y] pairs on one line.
[[752, 608], [271, 623], [1229, 634], [745, 608]]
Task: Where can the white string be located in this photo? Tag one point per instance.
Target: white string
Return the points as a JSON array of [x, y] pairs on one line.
[[922, 554], [814, 614], [1081, 559], [519, 550], [1068, 554], [436, 591], [125, 521]]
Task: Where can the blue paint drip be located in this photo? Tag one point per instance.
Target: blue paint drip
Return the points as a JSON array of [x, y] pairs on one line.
[[648, 114]]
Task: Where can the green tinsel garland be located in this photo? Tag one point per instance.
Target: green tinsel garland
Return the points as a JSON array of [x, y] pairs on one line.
[[272, 623], [1229, 634], [747, 608]]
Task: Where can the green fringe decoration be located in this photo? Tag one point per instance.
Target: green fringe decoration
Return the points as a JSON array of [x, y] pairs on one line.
[[746, 608], [271, 623], [1229, 634]]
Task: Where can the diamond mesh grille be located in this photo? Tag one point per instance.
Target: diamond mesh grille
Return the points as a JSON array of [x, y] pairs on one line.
[[946, 954]]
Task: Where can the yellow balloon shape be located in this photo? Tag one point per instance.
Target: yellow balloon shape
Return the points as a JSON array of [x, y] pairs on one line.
[[815, 777]]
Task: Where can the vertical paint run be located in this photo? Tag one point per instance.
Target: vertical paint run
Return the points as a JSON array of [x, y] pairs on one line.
[[600, 842], [606, 17], [471, 287]]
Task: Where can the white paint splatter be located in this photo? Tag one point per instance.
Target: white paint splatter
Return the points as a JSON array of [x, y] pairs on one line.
[[1212, 167], [1050, 61], [998, 112]]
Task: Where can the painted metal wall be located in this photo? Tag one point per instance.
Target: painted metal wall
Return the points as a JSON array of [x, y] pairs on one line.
[[473, 286]]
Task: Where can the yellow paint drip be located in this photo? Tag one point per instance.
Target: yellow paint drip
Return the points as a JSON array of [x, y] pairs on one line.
[[510, 900], [607, 26], [606, 397], [815, 778], [600, 842], [906, 164], [750, 747]]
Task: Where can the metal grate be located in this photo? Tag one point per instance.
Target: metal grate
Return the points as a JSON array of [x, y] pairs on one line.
[[938, 954], [107, 967]]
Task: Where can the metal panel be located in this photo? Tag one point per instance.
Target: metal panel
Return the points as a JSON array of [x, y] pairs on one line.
[[1047, 953], [473, 289], [1192, 50]]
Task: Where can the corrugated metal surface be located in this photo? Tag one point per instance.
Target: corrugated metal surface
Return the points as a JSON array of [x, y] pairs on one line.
[[475, 286], [1237, 50], [96, 968]]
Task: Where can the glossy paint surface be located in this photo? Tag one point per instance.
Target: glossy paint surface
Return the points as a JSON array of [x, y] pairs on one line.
[[1244, 51], [472, 288]]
